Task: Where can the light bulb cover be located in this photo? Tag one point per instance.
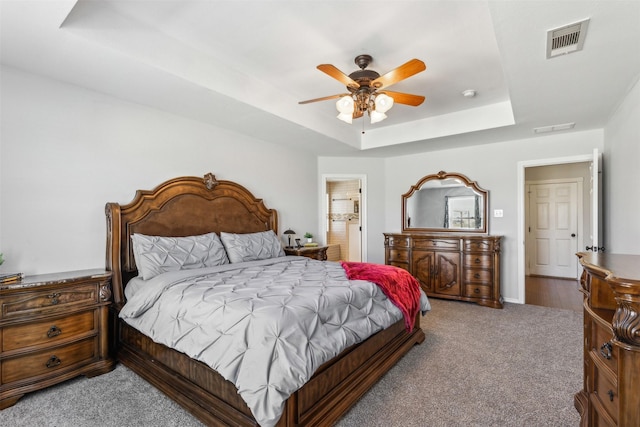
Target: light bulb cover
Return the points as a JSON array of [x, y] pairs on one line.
[[377, 116], [383, 103], [346, 117], [345, 105]]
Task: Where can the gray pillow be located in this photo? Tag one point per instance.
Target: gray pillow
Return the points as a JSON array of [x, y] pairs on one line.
[[158, 254], [252, 246]]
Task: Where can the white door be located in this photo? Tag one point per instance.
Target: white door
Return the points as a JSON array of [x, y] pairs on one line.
[[553, 230], [596, 202]]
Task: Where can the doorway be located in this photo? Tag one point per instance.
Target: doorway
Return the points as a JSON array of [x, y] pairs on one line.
[[590, 232], [342, 217], [554, 216]]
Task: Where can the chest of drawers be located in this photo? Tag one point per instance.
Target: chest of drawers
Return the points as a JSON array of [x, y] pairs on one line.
[[611, 390], [53, 327], [451, 266]]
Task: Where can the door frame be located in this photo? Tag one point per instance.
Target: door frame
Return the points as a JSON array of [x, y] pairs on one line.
[[522, 165], [579, 220], [324, 214]]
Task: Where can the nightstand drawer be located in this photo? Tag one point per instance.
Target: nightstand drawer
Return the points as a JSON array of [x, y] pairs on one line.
[[33, 303], [48, 361], [49, 331]]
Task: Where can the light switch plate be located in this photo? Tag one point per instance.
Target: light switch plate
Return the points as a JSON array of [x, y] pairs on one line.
[[497, 213]]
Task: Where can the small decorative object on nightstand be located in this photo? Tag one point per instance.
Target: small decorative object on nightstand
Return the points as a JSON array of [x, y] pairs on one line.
[[53, 328], [289, 233], [317, 252], [309, 237]]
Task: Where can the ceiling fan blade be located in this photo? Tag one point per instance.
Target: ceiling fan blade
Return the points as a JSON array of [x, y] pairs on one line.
[[338, 75], [407, 69], [324, 98], [405, 98]]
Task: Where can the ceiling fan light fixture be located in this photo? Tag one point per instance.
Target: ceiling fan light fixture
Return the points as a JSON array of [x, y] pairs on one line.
[[383, 103], [346, 117], [345, 105], [377, 116]]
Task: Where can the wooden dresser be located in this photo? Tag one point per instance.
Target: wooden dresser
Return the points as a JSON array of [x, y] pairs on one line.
[[611, 389], [53, 327], [463, 267]]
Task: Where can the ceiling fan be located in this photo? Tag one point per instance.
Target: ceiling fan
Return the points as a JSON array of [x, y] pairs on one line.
[[367, 89]]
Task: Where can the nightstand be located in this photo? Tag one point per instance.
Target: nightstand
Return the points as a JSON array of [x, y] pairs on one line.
[[316, 252], [53, 327]]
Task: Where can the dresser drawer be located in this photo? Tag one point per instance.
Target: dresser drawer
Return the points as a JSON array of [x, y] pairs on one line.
[[48, 331], [479, 246], [602, 347], [440, 244], [398, 255], [34, 303], [478, 260], [477, 291], [605, 392], [48, 361], [477, 275], [398, 241]]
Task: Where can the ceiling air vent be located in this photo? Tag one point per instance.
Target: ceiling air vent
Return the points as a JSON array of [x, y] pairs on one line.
[[567, 39]]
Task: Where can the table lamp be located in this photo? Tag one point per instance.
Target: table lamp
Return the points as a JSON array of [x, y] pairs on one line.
[[289, 232]]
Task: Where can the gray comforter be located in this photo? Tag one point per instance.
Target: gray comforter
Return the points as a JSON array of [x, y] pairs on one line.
[[266, 326]]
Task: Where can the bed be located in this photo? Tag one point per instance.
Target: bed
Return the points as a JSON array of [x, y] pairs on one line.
[[194, 206]]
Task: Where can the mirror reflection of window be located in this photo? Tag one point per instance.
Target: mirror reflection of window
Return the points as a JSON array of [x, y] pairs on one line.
[[445, 201], [463, 212]]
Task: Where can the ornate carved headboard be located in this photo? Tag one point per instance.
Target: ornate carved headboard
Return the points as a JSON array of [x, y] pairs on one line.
[[184, 206]]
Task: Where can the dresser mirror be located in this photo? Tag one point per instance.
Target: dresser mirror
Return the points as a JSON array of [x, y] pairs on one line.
[[445, 202]]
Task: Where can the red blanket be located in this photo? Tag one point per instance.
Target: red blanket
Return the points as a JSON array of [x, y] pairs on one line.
[[397, 284]]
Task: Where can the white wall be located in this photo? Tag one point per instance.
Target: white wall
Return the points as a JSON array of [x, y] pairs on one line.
[[492, 166], [66, 151], [622, 175]]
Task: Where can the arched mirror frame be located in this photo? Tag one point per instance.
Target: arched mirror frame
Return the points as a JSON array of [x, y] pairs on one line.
[[442, 175]]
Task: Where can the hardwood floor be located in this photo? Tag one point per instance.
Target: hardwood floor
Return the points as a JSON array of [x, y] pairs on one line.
[[553, 292]]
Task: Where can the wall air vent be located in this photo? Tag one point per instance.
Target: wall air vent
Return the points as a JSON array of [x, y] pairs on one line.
[[567, 39]]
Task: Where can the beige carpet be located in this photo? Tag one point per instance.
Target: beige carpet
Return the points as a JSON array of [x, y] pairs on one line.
[[519, 366]]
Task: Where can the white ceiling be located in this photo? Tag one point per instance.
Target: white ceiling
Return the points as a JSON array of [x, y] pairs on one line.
[[244, 65]]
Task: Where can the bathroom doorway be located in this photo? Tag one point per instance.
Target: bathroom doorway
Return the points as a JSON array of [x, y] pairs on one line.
[[343, 212]]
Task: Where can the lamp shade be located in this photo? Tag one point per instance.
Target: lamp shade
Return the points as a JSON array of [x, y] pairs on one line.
[[383, 103], [289, 232], [377, 116], [345, 105]]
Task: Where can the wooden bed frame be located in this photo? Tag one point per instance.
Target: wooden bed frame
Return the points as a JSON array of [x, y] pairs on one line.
[[190, 206]]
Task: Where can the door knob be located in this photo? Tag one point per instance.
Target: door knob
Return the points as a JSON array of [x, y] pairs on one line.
[[573, 234]]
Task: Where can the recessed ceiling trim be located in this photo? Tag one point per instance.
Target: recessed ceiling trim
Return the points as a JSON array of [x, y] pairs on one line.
[[566, 39]]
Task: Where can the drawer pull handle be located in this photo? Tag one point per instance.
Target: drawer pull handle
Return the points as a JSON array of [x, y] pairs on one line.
[[605, 350], [476, 276], [477, 261], [610, 393], [476, 290], [54, 298], [54, 331], [53, 362]]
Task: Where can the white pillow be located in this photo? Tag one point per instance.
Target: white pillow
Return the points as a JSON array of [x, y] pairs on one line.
[[252, 246], [158, 254]]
